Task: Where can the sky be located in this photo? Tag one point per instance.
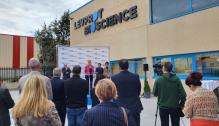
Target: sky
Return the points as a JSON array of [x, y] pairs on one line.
[[24, 17]]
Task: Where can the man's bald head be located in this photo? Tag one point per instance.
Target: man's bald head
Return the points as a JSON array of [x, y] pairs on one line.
[[34, 64]]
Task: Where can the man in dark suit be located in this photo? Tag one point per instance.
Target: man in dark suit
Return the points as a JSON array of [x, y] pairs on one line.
[[59, 94], [129, 89], [66, 71], [6, 102], [76, 91], [99, 69]]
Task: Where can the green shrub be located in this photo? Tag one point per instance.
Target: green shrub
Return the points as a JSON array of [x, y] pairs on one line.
[[146, 86]]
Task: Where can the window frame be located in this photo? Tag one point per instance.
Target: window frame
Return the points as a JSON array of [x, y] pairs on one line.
[[192, 56], [190, 11], [194, 65], [134, 59]]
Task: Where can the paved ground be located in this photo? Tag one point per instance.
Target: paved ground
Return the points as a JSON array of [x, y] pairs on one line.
[[147, 116]]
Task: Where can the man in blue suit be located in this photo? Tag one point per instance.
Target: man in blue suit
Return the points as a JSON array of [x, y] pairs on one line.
[[129, 89], [59, 94]]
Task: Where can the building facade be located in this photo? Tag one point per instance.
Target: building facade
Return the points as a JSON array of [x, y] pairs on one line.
[[152, 31], [15, 51]]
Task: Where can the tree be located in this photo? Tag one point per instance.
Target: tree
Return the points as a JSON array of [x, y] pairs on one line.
[[61, 29], [56, 33]]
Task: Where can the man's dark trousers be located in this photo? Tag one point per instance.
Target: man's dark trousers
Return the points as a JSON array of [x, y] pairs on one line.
[[164, 116], [137, 118], [89, 78]]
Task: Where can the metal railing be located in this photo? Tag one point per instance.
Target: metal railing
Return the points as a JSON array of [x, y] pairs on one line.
[[11, 74]]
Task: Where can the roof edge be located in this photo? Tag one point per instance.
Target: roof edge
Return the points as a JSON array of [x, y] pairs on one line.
[[17, 35], [81, 7]]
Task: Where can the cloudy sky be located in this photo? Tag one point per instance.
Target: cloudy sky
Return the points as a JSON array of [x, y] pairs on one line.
[[23, 17]]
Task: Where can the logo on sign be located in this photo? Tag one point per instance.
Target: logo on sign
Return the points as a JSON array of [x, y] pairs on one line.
[[96, 23]]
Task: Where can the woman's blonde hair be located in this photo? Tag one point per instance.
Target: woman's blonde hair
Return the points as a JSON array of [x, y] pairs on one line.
[[33, 100], [105, 90]]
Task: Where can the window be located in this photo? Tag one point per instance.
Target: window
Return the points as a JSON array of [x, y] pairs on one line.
[[163, 9], [135, 66], [197, 4], [167, 9], [114, 68], [208, 64], [183, 65], [132, 66], [161, 61], [139, 67], [158, 62]]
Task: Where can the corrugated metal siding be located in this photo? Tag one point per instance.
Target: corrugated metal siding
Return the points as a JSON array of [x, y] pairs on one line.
[[23, 52], [6, 51], [15, 52]]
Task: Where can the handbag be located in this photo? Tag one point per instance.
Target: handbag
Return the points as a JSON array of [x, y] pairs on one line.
[[125, 116]]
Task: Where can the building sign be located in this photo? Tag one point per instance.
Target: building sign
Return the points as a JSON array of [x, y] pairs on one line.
[[94, 22]]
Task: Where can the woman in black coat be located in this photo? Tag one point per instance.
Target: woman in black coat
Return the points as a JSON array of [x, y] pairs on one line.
[[6, 102]]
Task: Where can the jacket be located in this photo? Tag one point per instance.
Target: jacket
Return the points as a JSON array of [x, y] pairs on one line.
[[129, 89], [107, 114], [23, 79], [99, 70], [66, 73], [58, 89], [89, 70], [169, 90], [76, 91], [51, 119], [6, 102]]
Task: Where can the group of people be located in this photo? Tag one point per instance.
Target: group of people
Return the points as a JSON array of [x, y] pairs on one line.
[[201, 106], [110, 102], [89, 71], [46, 102]]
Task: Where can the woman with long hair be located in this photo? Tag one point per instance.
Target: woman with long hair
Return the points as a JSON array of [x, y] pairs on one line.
[[202, 105], [33, 107]]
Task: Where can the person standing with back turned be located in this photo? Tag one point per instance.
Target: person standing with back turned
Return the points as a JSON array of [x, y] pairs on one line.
[[108, 112], [35, 67], [129, 89], [59, 94], [201, 106], [6, 102], [76, 91], [171, 96]]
